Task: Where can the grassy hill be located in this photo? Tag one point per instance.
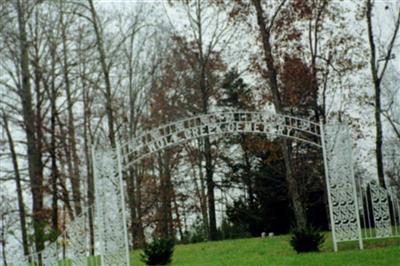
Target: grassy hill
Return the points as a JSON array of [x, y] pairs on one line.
[[277, 251]]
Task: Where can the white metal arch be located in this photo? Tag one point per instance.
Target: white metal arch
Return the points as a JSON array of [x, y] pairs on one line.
[[336, 152], [108, 165], [219, 123], [336, 146]]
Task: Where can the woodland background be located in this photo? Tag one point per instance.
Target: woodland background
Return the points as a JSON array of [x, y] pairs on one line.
[[81, 74]]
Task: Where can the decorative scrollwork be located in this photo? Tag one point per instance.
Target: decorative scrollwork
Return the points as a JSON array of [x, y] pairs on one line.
[[380, 210], [110, 230], [274, 125], [109, 216], [342, 191], [77, 239], [344, 211], [50, 255]]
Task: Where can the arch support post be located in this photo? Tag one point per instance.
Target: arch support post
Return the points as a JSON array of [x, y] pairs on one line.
[[328, 191], [111, 231], [122, 196], [98, 212], [341, 187]]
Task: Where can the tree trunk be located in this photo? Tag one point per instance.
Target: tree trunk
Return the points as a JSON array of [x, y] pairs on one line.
[[293, 187], [377, 79], [130, 182], [106, 73], [35, 166], [205, 89], [377, 86], [140, 239], [248, 179], [89, 166], [178, 216], [75, 177], [62, 177], [201, 192], [21, 204], [212, 233], [168, 195], [3, 241], [53, 147], [165, 210], [162, 222]]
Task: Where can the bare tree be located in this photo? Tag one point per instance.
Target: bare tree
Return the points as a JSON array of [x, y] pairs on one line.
[[105, 67], [35, 164], [210, 33], [75, 173], [265, 28], [378, 73], [18, 184]]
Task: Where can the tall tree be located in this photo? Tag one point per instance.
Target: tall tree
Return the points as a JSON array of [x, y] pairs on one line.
[[105, 68], [35, 164], [87, 100], [378, 73], [140, 71], [265, 29], [52, 94], [18, 184], [210, 34], [72, 146]]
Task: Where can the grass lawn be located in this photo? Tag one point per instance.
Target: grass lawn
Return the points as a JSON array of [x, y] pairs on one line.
[[277, 251]]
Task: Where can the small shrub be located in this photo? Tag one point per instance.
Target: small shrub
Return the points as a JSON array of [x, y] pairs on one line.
[[306, 239], [158, 252], [229, 230], [198, 232]]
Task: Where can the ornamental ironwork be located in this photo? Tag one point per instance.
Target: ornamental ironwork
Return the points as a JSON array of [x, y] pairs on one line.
[[111, 234], [273, 125], [342, 194], [72, 247], [380, 210], [110, 209]]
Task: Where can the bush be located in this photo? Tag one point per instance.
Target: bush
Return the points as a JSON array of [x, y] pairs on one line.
[[229, 230], [158, 252], [306, 239], [199, 232]]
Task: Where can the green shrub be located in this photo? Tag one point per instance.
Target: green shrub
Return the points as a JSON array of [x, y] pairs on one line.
[[158, 252], [229, 230], [199, 232], [306, 239]]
